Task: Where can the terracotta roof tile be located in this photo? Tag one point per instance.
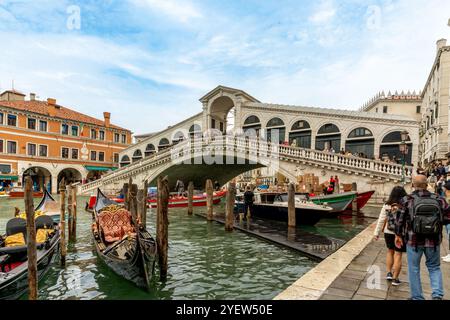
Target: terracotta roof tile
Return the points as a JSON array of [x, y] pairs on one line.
[[41, 107]]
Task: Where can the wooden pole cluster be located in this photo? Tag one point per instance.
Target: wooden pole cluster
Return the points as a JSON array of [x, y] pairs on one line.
[[209, 199], [231, 196], [69, 212], [291, 205], [31, 240], [190, 198], [62, 222], [162, 226]]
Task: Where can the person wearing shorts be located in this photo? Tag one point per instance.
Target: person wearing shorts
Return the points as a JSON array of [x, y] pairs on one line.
[[386, 224]]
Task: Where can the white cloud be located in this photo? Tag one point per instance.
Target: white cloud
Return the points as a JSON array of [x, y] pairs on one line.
[[324, 13], [182, 11]]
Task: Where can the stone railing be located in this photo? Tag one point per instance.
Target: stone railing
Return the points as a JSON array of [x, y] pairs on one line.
[[257, 150]]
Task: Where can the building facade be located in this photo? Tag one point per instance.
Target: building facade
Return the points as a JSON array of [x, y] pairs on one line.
[[47, 141]]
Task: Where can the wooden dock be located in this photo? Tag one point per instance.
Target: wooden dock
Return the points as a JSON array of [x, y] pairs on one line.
[[315, 246]]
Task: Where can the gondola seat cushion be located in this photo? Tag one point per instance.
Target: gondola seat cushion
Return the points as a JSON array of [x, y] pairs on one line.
[[115, 224], [42, 234], [15, 240]]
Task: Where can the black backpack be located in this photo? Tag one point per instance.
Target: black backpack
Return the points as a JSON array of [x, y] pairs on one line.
[[426, 217]]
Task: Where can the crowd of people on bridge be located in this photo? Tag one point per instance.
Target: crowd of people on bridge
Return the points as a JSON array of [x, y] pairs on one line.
[[413, 224]]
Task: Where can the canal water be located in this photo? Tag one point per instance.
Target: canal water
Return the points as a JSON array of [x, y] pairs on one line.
[[205, 262]]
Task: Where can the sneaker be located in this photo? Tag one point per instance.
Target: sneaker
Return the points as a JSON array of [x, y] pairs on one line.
[[436, 298], [389, 276], [396, 282], [446, 257]]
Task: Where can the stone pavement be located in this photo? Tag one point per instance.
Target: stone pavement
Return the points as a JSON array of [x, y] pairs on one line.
[[353, 282]]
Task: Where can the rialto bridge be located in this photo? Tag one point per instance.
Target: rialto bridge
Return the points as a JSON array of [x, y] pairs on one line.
[[304, 139]]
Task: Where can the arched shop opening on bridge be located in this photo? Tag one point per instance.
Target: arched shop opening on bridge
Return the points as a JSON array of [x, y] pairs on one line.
[[178, 137], [219, 112], [125, 161], [70, 175], [195, 131], [300, 134], [391, 145], [163, 144], [149, 150], [361, 142], [328, 136], [276, 131], [137, 155], [41, 177], [252, 126]]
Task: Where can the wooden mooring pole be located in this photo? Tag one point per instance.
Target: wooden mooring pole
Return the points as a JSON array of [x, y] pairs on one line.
[[231, 196], [291, 206], [69, 211], [62, 222], [355, 208], [162, 226], [190, 198], [31, 239], [209, 199], [144, 204], [133, 201], [74, 213]]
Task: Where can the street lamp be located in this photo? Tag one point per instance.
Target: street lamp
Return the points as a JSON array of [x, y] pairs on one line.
[[404, 151]]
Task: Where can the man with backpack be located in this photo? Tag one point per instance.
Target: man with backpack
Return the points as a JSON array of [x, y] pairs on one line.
[[419, 223]]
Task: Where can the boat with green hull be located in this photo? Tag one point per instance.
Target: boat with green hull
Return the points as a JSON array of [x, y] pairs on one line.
[[338, 201]]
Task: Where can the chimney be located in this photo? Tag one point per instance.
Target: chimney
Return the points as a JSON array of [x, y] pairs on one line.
[[107, 116], [441, 43], [32, 96], [51, 107]]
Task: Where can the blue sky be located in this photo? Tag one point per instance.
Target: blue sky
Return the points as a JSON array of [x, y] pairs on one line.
[[149, 61]]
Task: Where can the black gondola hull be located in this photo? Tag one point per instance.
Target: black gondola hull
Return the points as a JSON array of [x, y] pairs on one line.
[[139, 267], [280, 213], [14, 286]]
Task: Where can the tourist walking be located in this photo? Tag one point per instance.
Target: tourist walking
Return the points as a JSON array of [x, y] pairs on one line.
[[386, 223], [249, 199], [440, 187], [419, 225], [179, 187], [216, 185]]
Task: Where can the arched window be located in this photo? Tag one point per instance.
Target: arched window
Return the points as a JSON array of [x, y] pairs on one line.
[[275, 127], [125, 161], [195, 130], [360, 133], [390, 148], [252, 126], [252, 120], [149, 150], [328, 129], [361, 142], [137, 155], [163, 144], [177, 137], [328, 138], [300, 135]]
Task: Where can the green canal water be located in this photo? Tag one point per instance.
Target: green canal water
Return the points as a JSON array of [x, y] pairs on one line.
[[205, 262]]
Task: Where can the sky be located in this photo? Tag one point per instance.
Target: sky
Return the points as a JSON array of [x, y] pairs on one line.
[[149, 61]]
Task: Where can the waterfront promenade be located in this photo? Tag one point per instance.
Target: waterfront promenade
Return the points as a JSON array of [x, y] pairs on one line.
[[352, 283], [348, 274]]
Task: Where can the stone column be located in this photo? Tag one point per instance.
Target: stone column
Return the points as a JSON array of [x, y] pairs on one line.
[[54, 184]]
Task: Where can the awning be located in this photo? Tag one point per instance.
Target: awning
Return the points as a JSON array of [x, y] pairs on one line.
[[9, 177], [97, 168]]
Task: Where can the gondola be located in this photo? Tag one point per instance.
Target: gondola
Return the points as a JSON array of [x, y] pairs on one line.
[[126, 247], [13, 259]]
